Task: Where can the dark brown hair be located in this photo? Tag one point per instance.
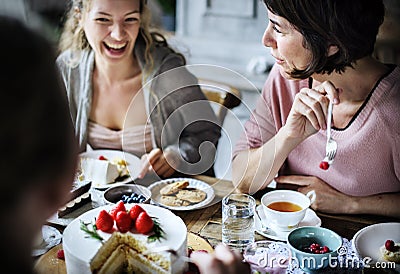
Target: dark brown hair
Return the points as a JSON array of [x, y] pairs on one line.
[[351, 25]]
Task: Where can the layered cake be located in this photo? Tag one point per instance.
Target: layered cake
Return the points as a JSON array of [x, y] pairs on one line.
[[102, 171], [99, 171], [129, 252]]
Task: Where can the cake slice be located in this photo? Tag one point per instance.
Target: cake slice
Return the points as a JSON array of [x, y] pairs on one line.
[[122, 253], [100, 172], [391, 251]]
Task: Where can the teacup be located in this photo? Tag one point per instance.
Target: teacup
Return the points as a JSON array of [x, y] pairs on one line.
[[285, 209]]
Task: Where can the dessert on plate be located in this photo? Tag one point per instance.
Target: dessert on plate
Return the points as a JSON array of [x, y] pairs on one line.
[[108, 240], [102, 170], [180, 194], [391, 251]]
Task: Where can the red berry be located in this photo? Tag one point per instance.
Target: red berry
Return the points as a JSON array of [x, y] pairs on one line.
[[324, 165], [120, 206], [60, 254], [325, 249], [101, 157], [144, 224], [190, 250], [202, 251], [123, 221], [104, 221], [135, 211], [389, 245]]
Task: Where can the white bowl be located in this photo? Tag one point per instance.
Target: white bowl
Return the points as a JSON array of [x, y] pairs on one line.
[[114, 194]]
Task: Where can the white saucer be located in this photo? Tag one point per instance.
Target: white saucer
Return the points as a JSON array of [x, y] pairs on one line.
[[310, 219]]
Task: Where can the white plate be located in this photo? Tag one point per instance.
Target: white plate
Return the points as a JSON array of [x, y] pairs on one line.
[[367, 241], [75, 241], [132, 160], [155, 193], [310, 219]]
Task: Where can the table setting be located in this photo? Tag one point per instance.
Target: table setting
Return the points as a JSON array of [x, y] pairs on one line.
[[296, 240], [217, 211]]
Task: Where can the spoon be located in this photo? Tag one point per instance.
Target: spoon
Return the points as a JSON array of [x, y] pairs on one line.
[[264, 228]]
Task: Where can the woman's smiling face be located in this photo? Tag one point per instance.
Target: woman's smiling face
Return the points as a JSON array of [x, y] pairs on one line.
[[111, 28], [286, 45]]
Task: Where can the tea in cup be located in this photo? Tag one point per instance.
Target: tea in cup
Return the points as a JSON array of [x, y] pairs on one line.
[[285, 209]]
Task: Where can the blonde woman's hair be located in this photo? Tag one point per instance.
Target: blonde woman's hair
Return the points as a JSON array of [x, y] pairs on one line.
[[73, 37]]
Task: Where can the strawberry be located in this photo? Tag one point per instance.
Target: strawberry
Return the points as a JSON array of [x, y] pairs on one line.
[[144, 224], [123, 221], [201, 251], [389, 245], [101, 157], [60, 254], [325, 249], [104, 221], [135, 211], [324, 165], [120, 206]]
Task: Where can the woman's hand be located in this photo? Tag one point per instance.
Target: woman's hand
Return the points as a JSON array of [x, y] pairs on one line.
[[309, 109], [164, 163], [328, 199], [222, 261]]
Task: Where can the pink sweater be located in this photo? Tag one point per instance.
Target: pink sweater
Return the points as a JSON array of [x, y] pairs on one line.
[[368, 157]]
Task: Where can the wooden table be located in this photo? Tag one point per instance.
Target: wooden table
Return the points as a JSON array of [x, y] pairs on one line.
[[206, 222]]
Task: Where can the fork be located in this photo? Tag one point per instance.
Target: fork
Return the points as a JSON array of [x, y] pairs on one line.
[[168, 249], [331, 145]]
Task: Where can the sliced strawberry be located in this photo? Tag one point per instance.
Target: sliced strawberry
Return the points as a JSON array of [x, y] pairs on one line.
[[104, 221], [101, 157], [202, 251], [120, 206], [60, 254], [123, 221], [144, 224], [135, 211], [324, 165]]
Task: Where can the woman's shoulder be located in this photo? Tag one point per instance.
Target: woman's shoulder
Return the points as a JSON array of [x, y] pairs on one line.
[[277, 85], [165, 56], [72, 59]]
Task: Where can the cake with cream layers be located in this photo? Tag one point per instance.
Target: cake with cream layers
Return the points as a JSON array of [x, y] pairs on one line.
[[117, 251]]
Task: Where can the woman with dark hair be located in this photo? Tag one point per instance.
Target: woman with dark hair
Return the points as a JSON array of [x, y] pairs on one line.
[[128, 90], [37, 144], [323, 51]]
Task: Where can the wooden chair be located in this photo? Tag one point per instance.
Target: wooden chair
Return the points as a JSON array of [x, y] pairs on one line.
[[222, 95]]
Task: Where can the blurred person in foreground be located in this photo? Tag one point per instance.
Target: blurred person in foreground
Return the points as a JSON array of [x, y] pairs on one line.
[[128, 90], [37, 142], [323, 51]]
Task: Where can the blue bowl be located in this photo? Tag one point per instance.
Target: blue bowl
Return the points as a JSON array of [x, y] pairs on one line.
[[301, 238]]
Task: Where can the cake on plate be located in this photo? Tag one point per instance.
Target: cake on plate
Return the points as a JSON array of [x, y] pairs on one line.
[[391, 251], [128, 252], [99, 171], [102, 170]]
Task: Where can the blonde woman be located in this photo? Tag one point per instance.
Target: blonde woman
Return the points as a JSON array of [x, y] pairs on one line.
[[129, 90]]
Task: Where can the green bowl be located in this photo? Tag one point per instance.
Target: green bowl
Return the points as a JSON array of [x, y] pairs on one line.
[[302, 237]]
